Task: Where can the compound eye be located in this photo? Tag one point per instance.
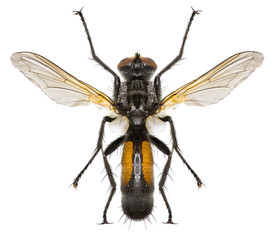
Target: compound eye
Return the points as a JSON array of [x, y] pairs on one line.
[[124, 62], [150, 62]]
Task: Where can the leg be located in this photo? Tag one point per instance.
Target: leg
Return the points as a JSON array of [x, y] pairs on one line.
[[96, 58], [177, 58], [98, 147], [157, 86], [161, 185], [163, 148], [175, 146], [111, 148]]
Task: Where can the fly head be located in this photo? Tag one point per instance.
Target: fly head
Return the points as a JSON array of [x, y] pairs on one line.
[[137, 67]]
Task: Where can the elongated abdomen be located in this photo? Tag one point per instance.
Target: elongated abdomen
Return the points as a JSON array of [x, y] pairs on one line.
[[137, 183]]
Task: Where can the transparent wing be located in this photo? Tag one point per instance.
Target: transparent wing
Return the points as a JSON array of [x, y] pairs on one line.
[[57, 83], [214, 85]]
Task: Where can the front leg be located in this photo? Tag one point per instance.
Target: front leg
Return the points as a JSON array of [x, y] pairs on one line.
[[96, 58], [157, 86], [97, 149], [179, 56], [157, 83]]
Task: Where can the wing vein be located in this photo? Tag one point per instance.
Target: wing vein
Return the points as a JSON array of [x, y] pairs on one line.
[[59, 85], [217, 83]]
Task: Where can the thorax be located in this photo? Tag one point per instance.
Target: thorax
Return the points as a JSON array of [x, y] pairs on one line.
[[136, 100]]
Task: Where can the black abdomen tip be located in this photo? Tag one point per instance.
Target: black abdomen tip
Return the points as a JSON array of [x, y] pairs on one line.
[[137, 207]]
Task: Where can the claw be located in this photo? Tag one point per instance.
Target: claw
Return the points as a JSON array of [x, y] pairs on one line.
[[74, 185], [200, 184], [196, 11], [169, 222], [104, 222], [77, 12]]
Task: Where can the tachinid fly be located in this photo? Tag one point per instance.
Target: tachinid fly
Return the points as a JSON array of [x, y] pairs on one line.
[[138, 108]]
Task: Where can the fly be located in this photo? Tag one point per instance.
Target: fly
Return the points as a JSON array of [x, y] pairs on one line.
[[139, 110]]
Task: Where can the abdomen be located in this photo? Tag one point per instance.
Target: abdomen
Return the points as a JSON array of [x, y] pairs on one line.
[[137, 183]]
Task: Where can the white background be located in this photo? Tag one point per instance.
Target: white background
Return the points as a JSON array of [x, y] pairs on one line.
[[44, 145]]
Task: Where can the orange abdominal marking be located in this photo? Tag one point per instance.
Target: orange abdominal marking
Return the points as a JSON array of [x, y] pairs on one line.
[[127, 162], [147, 162]]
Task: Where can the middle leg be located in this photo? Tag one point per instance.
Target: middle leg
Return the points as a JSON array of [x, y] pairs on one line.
[[176, 147], [98, 147]]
